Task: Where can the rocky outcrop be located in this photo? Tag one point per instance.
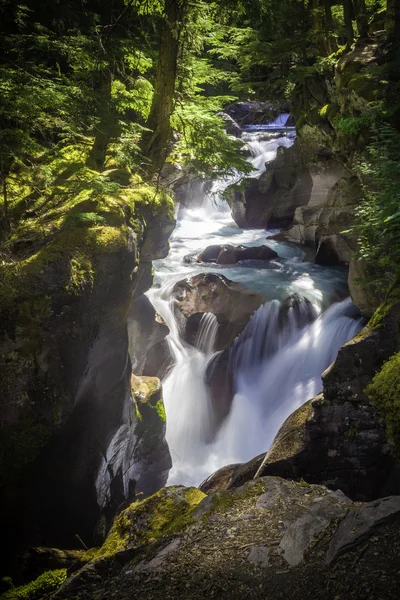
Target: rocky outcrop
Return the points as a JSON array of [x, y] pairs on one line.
[[230, 302], [228, 255], [66, 410], [338, 438], [148, 350], [267, 538], [366, 298], [152, 457], [322, 225]]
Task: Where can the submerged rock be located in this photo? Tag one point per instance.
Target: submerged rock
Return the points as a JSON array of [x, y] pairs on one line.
[[227, 254], [230, 302]]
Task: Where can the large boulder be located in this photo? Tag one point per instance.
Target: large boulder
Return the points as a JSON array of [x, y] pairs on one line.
[[227, 254], [251, 202], [230, 302]]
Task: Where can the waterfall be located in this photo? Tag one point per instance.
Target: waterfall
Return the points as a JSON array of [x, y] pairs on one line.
[[274, 365]]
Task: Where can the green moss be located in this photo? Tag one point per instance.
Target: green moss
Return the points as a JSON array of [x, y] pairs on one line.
[[161, 410], [384, 393], [41, 588], [168, 511], [392, 297]]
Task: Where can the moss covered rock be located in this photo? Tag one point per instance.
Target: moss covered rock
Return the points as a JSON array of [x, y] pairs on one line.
[[69, 269], [384, 393]]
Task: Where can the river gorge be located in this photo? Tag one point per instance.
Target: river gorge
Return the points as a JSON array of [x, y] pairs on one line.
[[276, 362]]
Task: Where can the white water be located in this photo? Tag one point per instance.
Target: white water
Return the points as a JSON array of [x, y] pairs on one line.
[[276, 369]]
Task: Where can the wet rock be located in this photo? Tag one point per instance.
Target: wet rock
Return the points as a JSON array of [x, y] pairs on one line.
[[220, 387], [145, 332], [251, 203], [247, 113], [230, 302], [228, 255], [231, 127]]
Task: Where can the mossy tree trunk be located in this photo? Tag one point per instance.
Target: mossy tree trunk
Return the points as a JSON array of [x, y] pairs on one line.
[[155, 141]]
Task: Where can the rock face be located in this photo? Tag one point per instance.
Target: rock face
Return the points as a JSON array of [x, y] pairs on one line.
[[149, 352], [252, 203], [230, 302], [66, 409], [338, 438], [363, 297], [321, 225], [227, 254], [152, 457], [269, 538]]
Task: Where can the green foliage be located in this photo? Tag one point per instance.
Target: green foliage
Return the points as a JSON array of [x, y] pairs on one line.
[[40, 589], [384, 392], [378, 217], [355, 124]]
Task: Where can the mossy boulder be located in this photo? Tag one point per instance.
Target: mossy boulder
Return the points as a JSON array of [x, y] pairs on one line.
[[169, 511]]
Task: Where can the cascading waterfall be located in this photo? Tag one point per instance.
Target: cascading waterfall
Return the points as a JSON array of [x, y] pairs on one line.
[[277, 361]]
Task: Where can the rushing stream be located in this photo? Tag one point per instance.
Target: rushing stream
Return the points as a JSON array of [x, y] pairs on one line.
[[276, 362]]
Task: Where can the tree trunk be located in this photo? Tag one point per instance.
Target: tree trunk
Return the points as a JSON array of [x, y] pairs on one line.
[[330, 38], [361, 18], [392, 22], [155, 142], [104, 128], [5, 199], [348, 20]]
